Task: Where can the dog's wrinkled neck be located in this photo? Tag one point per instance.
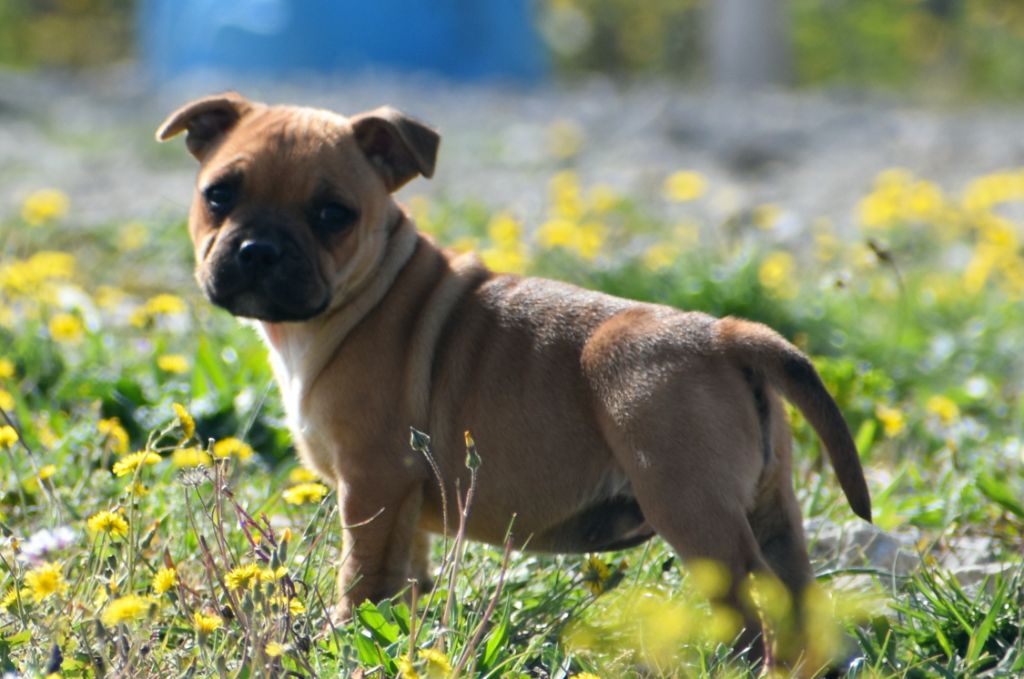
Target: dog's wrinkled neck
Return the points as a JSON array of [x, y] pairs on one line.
[[300, 351]]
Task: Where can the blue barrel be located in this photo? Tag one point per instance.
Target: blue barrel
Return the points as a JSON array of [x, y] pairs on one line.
[[460, 39]]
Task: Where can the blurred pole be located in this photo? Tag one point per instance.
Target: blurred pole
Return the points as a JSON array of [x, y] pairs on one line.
[[748, 43]]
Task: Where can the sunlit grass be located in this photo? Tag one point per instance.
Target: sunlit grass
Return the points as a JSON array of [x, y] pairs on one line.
[[154, 521]]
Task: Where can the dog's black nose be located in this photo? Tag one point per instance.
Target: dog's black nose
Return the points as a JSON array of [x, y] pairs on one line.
[[255, 256]]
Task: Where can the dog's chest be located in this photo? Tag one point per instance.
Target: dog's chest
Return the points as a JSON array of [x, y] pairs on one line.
[[288, 359]]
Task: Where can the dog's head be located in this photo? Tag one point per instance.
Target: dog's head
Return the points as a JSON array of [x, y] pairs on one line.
[[293, 208]]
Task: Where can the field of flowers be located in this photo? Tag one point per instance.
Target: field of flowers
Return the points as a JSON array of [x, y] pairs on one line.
[[155, 523]]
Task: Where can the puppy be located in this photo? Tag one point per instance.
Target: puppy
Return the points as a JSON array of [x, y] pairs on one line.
[[600, 421]]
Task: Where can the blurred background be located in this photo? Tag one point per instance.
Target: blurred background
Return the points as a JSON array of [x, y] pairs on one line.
[[946, 48], [793, 104]]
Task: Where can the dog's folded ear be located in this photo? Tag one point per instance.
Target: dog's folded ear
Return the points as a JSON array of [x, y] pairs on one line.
[[205, 121], [399, 146]]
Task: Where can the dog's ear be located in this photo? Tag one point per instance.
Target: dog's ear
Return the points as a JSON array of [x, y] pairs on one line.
[[398, 146], [205, 120]]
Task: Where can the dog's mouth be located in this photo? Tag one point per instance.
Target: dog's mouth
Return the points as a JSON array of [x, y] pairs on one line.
[[277, 297], [260, 306]]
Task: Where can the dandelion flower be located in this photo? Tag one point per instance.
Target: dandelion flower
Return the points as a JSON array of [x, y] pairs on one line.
[[437, 664], [172, 363], [684, 186], [586, 675], [46, 471], [304, 492], [232, 446], [273, 649], [164, 580], [595, 574], [302, 475], [295, 606], [207, 623], [44, 205], [66, 328], [406, 668], [892, 419], [108, 522], [125, 609], [6, 400], [243, 577], [6, 368], [10, 598], [188, 425], [165, 304], [45, 580], [944, 408], [777, 274], [190, 457], [129, 463], [114, 433], [8, 436]]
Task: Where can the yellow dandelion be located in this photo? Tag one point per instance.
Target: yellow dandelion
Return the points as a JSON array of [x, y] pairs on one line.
[[129, 463], [595, 574], [586, 675], [232, 446], [565, 196], [109, 297], [273, 649], [164, 580], [44, 581], [304, 492], [766, 216], [8, 436], [46, 471], [504, 230], [295, 606], [685, 185], [132, 236], [44, 205], [504, 260], [125, 609], [406, 668], [66, 328], [603, 198], [244, 577], [165, 304], [944, 408], [172, 363], [188, 425], [660, 256], [11, 598], [207, 623], [6, 400], [138, 490], [437, 665], [776, 274], [190, 457], [115, 434], [302, 475], [6, 369], [892, 419], [107, 522]]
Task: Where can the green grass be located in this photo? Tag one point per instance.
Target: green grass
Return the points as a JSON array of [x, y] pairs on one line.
[[913, 322]]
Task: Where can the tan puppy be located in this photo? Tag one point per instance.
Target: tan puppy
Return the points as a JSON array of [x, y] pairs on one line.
[[600, 421]]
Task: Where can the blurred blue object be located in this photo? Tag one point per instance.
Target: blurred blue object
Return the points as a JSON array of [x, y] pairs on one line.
[[461, 39]]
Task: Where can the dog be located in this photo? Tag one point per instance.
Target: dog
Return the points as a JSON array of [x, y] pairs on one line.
[[600, 421]]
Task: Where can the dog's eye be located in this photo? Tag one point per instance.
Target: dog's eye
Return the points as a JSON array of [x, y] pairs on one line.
[[334, 217], [220, 197]]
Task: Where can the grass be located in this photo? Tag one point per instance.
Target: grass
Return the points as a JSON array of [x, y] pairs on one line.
[[912, 319]]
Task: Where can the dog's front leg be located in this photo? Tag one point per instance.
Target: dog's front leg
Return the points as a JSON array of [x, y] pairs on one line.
[[378, 531]]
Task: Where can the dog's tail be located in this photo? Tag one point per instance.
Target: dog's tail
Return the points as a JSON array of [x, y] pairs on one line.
[[786, 368]]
